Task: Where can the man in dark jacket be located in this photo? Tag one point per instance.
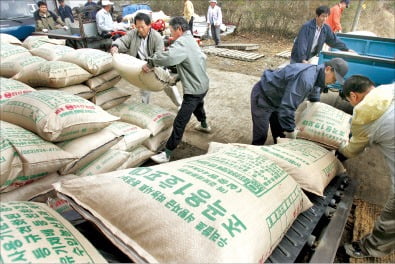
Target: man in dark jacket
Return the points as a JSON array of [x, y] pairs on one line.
[[276, 96], [313, 35], [65, 13], [45, 19]]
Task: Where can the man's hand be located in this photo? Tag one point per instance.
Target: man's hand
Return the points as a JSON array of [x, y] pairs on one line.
[[352, 51], [146, 68], [113, 50], [290, 135], [65, 27], [45, 30]]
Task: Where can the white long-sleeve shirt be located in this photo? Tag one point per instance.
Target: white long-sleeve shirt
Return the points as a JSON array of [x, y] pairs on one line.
[[214, 15], [104, 21]]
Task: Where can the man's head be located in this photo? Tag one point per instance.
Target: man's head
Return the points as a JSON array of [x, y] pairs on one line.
[[356, 87], [335, 70], [143, 24], [107, 5], [213, 3], [61, 2], [344, 3], [321, 14], [42, 6], [178, 25]]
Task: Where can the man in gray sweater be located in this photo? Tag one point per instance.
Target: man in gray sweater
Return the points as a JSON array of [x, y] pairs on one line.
[[143, 42], [190, 62]]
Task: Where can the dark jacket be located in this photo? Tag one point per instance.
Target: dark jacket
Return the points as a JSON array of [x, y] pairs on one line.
[[65, 12], [283, 90], [304, 41]]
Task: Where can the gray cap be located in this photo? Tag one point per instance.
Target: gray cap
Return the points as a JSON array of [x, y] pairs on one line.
[[341, 68]]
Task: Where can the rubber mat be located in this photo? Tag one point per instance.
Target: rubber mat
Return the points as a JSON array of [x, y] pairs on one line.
[[365, 216]]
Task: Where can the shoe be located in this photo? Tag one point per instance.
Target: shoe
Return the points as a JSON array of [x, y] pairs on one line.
[[354, 250], [160, 158], [203, 129]]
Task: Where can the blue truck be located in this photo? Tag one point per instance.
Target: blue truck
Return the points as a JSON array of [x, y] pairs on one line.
[[16, 17], [375, 58]]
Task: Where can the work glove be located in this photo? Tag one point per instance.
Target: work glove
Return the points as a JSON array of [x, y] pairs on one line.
[[290, 135], [66, 27], [45, 30]]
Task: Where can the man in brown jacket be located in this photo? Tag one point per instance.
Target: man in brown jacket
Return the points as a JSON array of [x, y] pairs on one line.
[[47, 20]]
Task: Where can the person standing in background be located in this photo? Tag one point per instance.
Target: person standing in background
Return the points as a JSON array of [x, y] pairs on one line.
[[65, 13], [91, 6], [189, 13], [214, 20], [335, 15]]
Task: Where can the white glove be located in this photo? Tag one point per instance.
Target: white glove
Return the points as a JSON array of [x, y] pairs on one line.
[[66, 27], [45, 30], [290, 135]]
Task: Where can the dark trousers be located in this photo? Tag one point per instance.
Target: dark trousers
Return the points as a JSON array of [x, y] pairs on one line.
[[191, 25], [191, 104], [263, 115]]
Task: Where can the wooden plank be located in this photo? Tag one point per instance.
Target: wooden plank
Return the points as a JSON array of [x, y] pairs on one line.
[[232, 54], [284, 54], [239, 46]]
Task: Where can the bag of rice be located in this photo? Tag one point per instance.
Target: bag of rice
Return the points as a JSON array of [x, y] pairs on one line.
[[55, 115], [26, 157], [111, 97], [324, 124], [12, 67], [34, 233], [54, 74], [11, 88], [10, 39], [79, 90], [311, 165], [129, 68], [51, 52], [158, 142], [33, 42], [103, 81], [109, 161], [36, 189], [11, 52], [88, 148], [137, 156], [92, 60], [228, 207], [132, 135], [148, 116]]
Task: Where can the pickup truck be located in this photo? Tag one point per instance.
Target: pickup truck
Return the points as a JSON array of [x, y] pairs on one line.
[[16, 17]]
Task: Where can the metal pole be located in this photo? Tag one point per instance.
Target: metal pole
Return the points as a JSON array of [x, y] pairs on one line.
[[357, 15]]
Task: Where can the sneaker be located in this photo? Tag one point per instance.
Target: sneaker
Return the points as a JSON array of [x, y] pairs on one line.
[[354, 250], [161, 158], [203, 129]]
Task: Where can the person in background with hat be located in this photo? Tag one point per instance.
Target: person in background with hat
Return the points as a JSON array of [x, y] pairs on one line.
[[189, 12], [105, 25], [65, 13], [335, 15], [214, 20], [47, 20], [373, 123], [275, 98], [312, 37]]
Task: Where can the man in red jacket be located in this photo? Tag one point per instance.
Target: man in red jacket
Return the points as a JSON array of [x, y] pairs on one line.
[[335, 15]]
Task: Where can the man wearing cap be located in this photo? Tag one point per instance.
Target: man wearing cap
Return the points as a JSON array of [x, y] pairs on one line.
[[214, 20], [335, 15], [312, 37], [276, 96], [373, 123], [104, 22]]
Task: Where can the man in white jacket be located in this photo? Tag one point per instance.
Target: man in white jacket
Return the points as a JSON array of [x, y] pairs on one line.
[[373, 123], [214, 20]]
